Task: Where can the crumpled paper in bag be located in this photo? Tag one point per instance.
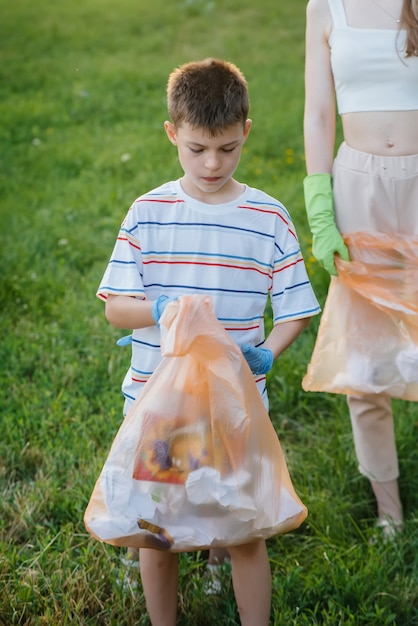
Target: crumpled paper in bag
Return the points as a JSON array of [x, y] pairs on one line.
[[202, 391]]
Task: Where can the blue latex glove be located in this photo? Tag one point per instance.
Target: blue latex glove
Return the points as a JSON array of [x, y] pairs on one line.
[[260, 360], [124, 341], [158, 307]]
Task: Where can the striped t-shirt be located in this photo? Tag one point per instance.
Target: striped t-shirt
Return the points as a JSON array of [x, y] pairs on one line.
[[239, 253]]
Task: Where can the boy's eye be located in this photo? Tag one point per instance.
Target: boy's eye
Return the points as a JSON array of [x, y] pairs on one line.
[[201, 150]]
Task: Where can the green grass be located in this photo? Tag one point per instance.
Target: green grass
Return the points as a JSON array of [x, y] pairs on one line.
[[81, 136]]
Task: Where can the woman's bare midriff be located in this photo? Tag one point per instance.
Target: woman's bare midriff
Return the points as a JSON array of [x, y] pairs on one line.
[[385, 133]]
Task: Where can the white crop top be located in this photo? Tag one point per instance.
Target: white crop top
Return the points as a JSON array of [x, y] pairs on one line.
[[371, 72]]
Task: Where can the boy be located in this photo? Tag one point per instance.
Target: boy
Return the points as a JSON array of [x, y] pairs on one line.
[[208, 233]]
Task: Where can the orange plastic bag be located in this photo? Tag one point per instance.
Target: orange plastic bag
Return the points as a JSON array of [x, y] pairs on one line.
[[196, 462], [367, 340]]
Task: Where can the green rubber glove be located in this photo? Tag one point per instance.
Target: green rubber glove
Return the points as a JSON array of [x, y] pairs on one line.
[[326, 238]]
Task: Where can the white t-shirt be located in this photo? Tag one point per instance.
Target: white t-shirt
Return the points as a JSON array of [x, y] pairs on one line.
[[239, 253]]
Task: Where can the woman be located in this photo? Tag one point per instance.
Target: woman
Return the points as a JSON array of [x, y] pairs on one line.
[[364, 53]]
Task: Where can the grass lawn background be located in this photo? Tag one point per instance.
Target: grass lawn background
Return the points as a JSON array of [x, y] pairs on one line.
[[81, 136]]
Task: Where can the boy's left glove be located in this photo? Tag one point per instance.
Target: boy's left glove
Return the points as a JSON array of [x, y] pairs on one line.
[[260, 360]]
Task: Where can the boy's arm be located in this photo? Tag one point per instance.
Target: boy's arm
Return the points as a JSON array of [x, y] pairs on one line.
[[284, 334], [261, 359], [128, 312]]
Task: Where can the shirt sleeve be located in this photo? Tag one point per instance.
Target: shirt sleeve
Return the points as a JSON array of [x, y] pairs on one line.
[[292, 295], [123, 275]]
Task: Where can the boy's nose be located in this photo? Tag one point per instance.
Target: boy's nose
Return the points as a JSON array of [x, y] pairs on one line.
[[212, 162]]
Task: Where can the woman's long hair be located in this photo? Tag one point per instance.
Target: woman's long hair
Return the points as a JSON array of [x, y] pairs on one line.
[[409, 21]]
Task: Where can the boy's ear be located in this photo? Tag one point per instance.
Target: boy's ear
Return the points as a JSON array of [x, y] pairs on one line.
[[247, 128], [171, 132]]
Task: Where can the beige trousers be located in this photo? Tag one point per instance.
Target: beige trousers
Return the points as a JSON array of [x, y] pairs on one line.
[[375, 193]]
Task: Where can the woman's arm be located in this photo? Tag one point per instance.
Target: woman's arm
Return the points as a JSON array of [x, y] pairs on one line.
[[319, 132], [319, 115]]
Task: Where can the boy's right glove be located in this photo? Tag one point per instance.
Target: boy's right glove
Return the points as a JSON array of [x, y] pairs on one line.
[[158, 307], [326, 238], [260, 360]]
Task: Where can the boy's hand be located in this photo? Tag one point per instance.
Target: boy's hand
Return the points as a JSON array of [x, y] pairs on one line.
[[260, 360], [158, 307], [124, 341]]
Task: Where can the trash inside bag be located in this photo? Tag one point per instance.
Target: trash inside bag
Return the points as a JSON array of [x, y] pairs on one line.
[[196, 462], [367, 339]]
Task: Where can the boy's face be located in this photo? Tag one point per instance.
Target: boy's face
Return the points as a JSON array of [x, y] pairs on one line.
[[209, 162]]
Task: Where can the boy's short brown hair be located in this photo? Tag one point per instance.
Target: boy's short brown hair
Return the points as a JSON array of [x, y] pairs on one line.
[[211, 94]]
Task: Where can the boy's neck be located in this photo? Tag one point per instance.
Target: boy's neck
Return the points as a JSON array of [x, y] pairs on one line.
[[228, 193]]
